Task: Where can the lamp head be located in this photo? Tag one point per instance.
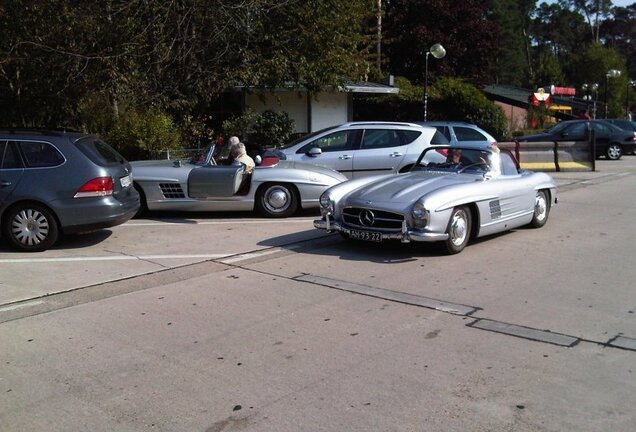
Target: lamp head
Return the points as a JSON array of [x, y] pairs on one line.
[[613, 73], [438, 51]]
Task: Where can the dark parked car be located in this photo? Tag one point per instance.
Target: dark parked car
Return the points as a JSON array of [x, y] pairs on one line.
[[611, 141], [624, 124], [54, 183]]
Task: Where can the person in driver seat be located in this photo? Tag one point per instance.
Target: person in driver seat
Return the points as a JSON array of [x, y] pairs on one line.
[[455, 157]]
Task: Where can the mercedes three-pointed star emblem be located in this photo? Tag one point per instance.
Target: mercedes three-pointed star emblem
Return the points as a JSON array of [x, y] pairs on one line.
[[367, 218]]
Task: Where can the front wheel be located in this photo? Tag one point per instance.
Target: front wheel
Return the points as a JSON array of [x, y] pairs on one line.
[[277, 200], [458, 230], [614, 152], [31, 227], [541, 209]]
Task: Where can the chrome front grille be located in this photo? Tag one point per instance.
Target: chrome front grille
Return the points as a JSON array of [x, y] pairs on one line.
[[171, 190], [370, 218]]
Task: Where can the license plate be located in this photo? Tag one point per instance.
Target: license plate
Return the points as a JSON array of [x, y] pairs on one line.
[[125, 181], [366, 235]]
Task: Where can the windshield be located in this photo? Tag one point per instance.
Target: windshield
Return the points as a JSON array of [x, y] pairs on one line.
[[455, 159], [203, 157]]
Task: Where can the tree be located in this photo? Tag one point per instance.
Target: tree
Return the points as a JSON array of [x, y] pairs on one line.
[[458, 100], [134, 54], [594, 11], [511, 18], [619, 33], [465, 30], [591, 66]]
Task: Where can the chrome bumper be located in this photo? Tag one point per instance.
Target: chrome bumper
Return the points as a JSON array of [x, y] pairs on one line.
[[405, 235]]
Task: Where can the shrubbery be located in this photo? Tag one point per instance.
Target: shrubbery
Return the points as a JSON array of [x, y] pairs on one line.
[[453, 99], [267, 129]]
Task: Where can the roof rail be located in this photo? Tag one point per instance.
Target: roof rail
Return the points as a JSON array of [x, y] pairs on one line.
[[380, 123], [38, 131]]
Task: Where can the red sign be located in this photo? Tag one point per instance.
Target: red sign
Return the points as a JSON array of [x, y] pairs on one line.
[[563, 91]]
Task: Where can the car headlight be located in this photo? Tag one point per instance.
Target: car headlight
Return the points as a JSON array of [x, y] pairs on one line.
[[325, 201], [420, 215]]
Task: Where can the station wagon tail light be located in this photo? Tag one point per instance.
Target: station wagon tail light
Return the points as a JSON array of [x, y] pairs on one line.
[[99, 186]]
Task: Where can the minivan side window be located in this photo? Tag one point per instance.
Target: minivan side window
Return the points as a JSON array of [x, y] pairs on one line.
[[40, 154], [468, 134], [338, 141], [9, 158], [408, 136], [444, 131], [380, 138], [438, 138]]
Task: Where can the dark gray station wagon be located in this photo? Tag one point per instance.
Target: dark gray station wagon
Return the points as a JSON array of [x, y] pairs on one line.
[[54, 183]]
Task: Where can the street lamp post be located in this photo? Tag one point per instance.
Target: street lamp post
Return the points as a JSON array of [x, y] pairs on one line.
[[438, 52], [591, 89], [612, 73]]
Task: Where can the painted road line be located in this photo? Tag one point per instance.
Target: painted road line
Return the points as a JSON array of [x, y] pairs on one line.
[[112, 258], [16, 306], [551, 166], [249, 256], [236, 222]]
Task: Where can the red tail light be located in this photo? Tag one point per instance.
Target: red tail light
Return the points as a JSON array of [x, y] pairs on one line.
[[494, 144], [99, 186], [443, 152]]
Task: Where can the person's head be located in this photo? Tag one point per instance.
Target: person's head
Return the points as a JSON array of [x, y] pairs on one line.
[[455, 155], [233, 140], [237, 149]]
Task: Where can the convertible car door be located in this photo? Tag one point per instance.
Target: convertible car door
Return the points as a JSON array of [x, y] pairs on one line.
[[512, 199], [215, 181]]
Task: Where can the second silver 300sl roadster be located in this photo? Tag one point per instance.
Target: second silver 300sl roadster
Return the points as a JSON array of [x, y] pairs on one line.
[[274, 188], [451, 195]]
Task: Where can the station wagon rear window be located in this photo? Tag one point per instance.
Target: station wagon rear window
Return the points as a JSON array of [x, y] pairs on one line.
[[99, 152]]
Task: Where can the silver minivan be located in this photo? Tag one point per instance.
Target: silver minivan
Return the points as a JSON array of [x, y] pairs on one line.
[[360, 149]]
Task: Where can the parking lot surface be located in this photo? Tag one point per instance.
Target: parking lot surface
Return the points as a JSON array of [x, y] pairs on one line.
[[231, 322]]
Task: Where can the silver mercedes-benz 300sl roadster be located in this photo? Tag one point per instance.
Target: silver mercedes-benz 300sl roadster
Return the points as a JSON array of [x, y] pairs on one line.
[[275, 188], [451, 195]]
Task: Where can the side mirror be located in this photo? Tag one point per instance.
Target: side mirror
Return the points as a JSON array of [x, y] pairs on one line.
[[314, 151], [258, 159]]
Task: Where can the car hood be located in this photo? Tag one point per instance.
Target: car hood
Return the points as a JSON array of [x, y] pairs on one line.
[[405, 188]]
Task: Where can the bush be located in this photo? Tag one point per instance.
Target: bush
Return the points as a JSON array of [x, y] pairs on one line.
[[143, 135], [136, 134], [453, 99], [267, 129]]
